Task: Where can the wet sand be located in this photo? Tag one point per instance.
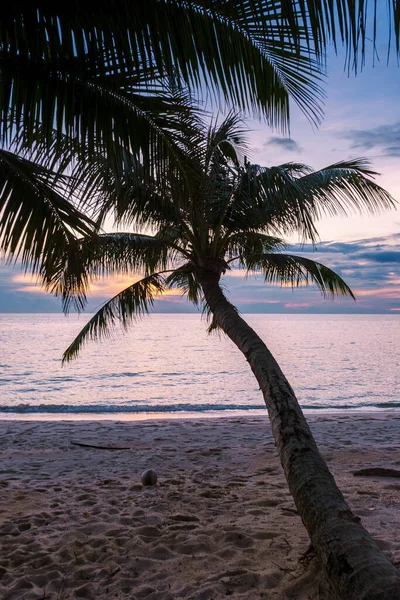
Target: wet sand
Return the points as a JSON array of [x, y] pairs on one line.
[[75, 521]]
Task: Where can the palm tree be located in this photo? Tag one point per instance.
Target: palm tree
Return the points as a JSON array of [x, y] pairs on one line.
[[89, 79], [223, 213]]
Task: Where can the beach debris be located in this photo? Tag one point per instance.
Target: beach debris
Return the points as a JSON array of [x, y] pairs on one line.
[[149, 477], [377, 472], [99, 447]]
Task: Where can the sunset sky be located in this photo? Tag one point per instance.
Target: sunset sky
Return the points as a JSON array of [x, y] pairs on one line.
[[362, 119]]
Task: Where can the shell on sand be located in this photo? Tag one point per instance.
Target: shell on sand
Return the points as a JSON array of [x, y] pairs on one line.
[[149, 477]]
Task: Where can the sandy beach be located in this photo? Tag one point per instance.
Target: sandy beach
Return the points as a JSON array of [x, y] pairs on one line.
[[75, 521]]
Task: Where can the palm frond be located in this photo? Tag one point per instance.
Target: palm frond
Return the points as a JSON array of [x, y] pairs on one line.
[[122, 309], [213, 325], [251, 242], [290, 198], [225, 151], [342, 188], [197, 44], [37, 218], [118, 185], [342, 23], [69, 275], [184, 279], [225, 141], [291, 270], [102, 115], [268, 199], [136, 200], [251, 54]]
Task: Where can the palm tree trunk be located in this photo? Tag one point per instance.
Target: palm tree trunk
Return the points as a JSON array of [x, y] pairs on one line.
[[354, 566]]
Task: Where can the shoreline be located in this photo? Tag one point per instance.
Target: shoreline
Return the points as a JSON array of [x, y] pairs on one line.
[[187, 415], [75, 522]]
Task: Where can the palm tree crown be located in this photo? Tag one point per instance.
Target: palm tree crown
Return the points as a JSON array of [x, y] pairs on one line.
[[220, 211]]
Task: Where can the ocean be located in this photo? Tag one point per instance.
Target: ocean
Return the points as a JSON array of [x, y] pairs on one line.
[[168, 364]]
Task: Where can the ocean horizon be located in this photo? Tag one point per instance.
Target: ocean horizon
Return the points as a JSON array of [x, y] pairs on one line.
[[167, 365]]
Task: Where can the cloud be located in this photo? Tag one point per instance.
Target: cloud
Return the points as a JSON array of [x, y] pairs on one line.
[[387, 256], [376, 249], [384, 139], [27, 284], [283, 143], [331, 247], [14, 301], [297, 305]]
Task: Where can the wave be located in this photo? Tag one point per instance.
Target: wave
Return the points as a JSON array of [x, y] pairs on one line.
[[122, 408], [173, 408]]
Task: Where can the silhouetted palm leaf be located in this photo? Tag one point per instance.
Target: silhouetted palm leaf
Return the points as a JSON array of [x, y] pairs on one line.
[[249, 52], [343, 188], [37, 218], [288, 269], [274, 200], [251, 242], [70, 274], [184, 279], [131, 303]]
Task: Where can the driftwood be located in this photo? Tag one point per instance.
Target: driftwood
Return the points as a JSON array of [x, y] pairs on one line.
[[85, 445], [377, 472]]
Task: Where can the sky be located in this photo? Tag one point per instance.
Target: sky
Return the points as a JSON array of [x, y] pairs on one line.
[[362, 119]]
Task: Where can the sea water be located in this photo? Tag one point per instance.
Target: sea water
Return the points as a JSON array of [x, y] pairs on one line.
[[169, 364]]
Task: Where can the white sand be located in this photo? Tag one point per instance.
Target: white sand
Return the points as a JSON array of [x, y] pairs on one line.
[[75, 522]]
